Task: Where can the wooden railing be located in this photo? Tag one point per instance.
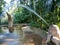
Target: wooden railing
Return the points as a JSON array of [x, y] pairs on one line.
[[13, 25]]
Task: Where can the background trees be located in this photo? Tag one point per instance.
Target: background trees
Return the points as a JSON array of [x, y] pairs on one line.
[[1, 10], [49, 10]]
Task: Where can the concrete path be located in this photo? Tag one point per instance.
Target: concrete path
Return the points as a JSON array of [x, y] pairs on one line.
[[9, 39]]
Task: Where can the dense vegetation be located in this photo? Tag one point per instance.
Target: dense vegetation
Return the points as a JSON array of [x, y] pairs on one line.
[[49, 10], [1, 10]]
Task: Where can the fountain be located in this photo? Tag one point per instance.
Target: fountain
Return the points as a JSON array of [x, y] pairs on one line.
[[24, 6]]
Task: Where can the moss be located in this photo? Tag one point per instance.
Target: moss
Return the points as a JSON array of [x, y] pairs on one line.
[[1, 31], [58, 24]]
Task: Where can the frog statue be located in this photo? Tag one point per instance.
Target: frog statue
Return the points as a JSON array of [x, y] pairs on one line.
[[53, 35]]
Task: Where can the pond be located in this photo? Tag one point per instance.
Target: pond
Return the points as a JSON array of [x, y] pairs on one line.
[[27, 36], [7, 38], [15, 38]]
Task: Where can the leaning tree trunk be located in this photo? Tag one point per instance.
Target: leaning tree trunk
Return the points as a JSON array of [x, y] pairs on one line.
[[10, 23]]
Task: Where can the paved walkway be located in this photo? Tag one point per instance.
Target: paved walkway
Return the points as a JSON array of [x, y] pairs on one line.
[[9, 39]]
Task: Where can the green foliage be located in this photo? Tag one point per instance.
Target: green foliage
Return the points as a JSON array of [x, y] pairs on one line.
[[1, 4], [50, 12], [34, 24], [21, 16], [4, 22]]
